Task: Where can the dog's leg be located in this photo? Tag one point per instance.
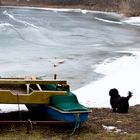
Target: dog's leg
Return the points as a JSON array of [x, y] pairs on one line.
[[114, 110]]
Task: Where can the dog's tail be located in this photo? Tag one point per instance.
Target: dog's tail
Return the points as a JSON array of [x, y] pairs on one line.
[[129, 95]]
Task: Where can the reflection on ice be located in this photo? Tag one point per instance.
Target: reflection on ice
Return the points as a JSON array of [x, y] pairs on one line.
[[17, 20]]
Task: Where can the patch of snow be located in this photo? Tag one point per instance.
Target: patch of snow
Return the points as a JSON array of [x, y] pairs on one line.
[[111, 129]]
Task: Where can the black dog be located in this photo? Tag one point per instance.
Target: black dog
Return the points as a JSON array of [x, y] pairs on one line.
[[119, 104]]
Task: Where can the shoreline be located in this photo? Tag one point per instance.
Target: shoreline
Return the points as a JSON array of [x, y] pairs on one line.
[[63, 9], [124, 7]]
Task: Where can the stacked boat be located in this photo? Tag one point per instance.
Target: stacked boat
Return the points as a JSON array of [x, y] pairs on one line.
[[49, 98]]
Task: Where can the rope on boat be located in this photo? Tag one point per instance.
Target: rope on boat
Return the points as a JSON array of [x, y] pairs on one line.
[[31, 124], [78, 121], [77, 124], [19, 108]]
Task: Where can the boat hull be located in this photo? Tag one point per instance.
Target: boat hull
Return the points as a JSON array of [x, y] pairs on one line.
[[73, 116]]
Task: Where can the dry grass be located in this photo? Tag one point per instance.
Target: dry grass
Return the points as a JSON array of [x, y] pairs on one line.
[[128, 124]]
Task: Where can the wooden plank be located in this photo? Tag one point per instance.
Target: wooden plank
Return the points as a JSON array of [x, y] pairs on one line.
[[36, 97], [28, 81]]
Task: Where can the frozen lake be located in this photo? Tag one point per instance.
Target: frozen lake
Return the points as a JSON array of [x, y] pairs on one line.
[[93, 51]]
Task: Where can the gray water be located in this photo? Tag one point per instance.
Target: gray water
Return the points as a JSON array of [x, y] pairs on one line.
[[70, 44]]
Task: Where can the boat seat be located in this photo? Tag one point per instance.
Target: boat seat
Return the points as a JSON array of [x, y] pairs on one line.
[[67, 103]]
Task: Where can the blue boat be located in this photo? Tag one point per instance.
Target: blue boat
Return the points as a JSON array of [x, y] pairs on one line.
[[61, 107]]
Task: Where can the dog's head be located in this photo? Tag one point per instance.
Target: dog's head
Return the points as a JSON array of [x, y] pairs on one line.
[[114, 92]]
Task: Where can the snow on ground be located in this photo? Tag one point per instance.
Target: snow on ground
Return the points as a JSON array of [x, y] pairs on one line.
[[111, 128], [122, 73]]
